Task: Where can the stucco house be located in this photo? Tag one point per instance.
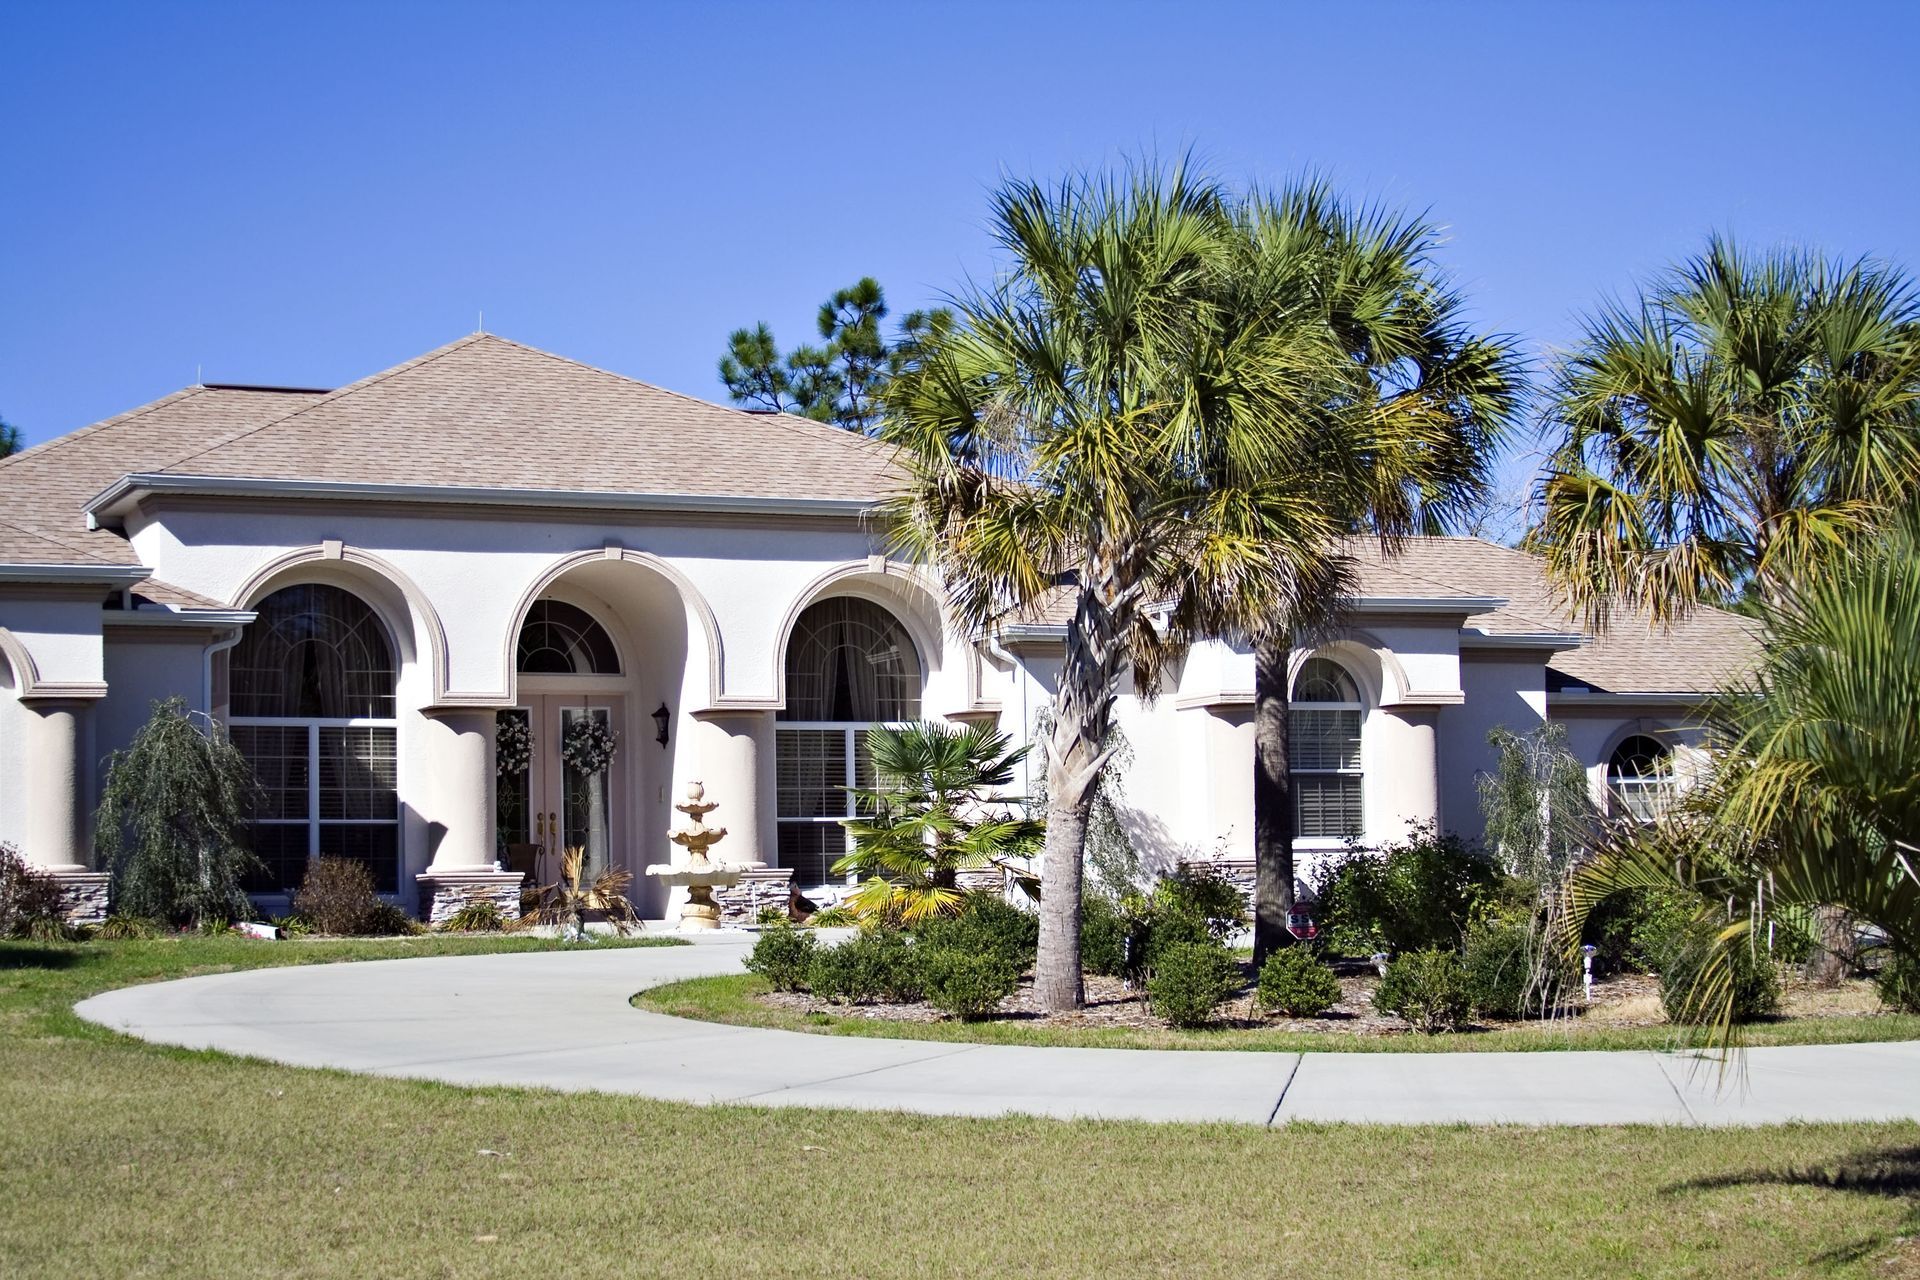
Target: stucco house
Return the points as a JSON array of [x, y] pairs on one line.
[[372, 586]]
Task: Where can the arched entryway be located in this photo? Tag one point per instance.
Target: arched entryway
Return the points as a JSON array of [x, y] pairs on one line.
[[600, 661]]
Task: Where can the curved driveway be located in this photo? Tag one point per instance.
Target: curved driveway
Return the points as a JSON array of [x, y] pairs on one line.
[[561, 1020]]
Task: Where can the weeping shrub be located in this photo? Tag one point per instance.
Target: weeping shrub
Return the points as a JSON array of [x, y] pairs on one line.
[[172, 822]]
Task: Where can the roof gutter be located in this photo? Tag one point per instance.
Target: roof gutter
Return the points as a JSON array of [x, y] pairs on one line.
[[1475, 638], [113, 502], [107, 575]]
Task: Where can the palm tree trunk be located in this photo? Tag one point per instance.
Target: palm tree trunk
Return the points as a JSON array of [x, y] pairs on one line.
[[1273, 810], [1076, 752]]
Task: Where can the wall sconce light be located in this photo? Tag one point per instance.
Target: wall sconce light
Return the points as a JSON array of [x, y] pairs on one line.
[[660, 719]]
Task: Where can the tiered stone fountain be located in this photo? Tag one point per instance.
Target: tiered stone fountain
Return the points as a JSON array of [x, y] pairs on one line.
[[699, 874]]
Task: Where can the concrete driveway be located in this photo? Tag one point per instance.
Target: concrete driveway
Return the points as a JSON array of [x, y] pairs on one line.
[[561, 1020]]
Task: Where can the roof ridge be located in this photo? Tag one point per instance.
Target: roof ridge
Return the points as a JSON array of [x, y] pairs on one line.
[[126, 415], [792, 422], [372, 379]]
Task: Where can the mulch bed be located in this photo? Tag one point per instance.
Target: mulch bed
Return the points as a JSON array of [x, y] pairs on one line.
[[1625, 1000]]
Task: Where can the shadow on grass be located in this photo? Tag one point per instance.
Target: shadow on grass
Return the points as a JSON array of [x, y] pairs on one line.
[[26, 955], [1892, 1173]]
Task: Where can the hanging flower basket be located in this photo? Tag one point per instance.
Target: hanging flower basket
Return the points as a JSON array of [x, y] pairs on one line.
[[512, 744], [589, 746]]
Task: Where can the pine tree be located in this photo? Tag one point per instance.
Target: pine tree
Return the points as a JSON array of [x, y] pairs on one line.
[[840, 380]]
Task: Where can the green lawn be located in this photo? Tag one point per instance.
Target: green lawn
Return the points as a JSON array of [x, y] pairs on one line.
[[118, 1158], [730, 999]]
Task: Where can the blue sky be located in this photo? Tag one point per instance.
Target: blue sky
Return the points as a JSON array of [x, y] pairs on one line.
[[307, 194]]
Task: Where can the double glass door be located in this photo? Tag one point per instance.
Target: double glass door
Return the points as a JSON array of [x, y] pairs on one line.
[[553, 805]]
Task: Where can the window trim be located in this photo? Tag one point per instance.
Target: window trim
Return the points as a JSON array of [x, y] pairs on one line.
[[1358, 771]]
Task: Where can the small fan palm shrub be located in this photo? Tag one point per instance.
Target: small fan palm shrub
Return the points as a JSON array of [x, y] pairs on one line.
[[935, 809], [566, 903], [172, 823], [1296, 982]]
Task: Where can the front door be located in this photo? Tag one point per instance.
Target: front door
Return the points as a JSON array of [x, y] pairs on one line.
[[554, 803]]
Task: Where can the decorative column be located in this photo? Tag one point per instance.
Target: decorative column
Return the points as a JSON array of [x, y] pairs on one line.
[[56, 826], [1407, 770], [460, 756], [731, 751]]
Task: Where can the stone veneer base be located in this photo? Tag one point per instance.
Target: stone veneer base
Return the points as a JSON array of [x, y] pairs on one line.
[[445, 892], [84, 895]]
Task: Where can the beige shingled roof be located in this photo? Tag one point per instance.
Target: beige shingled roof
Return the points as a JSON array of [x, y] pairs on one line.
[[484, 412], [1707, 651], [43, 489]]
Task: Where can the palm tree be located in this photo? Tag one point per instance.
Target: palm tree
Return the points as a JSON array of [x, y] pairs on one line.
[[1058, 441], [1742, 423], [1813, 802], [936, 809], [1404, 409]]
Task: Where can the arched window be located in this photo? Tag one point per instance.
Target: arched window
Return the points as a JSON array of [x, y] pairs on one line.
[[1640, 778], [849, 665], [1323, 751], [560, 639], [311, 701]]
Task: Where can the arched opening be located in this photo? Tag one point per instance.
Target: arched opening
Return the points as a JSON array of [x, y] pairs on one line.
[[553, 792], [1640, 781], [312, 707], [850, 665], [1323, 751], [563, 639]]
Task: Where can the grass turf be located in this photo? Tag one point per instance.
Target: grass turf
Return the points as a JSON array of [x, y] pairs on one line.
[[118, 1158], [730, 999]]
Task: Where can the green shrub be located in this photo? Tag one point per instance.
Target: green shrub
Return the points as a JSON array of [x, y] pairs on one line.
[[120, 928], [1632, 929], [1190, 980], [833, 918], [872, 964], [1103, 937], [967, 986], [1199, 898], [1428, 988], [337, 897], [292, 926], [770, 915], [986, 925], [1418, 894], [1294, 981], [476, 915], [30, 902], [1501, 961], [1754, 977], [783, 955], [1899, 983]]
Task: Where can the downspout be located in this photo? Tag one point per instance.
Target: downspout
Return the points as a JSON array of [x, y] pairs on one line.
[[996, 650], [206, 671]]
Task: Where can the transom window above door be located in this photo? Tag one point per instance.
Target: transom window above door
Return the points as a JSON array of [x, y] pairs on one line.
[[560, 639]]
